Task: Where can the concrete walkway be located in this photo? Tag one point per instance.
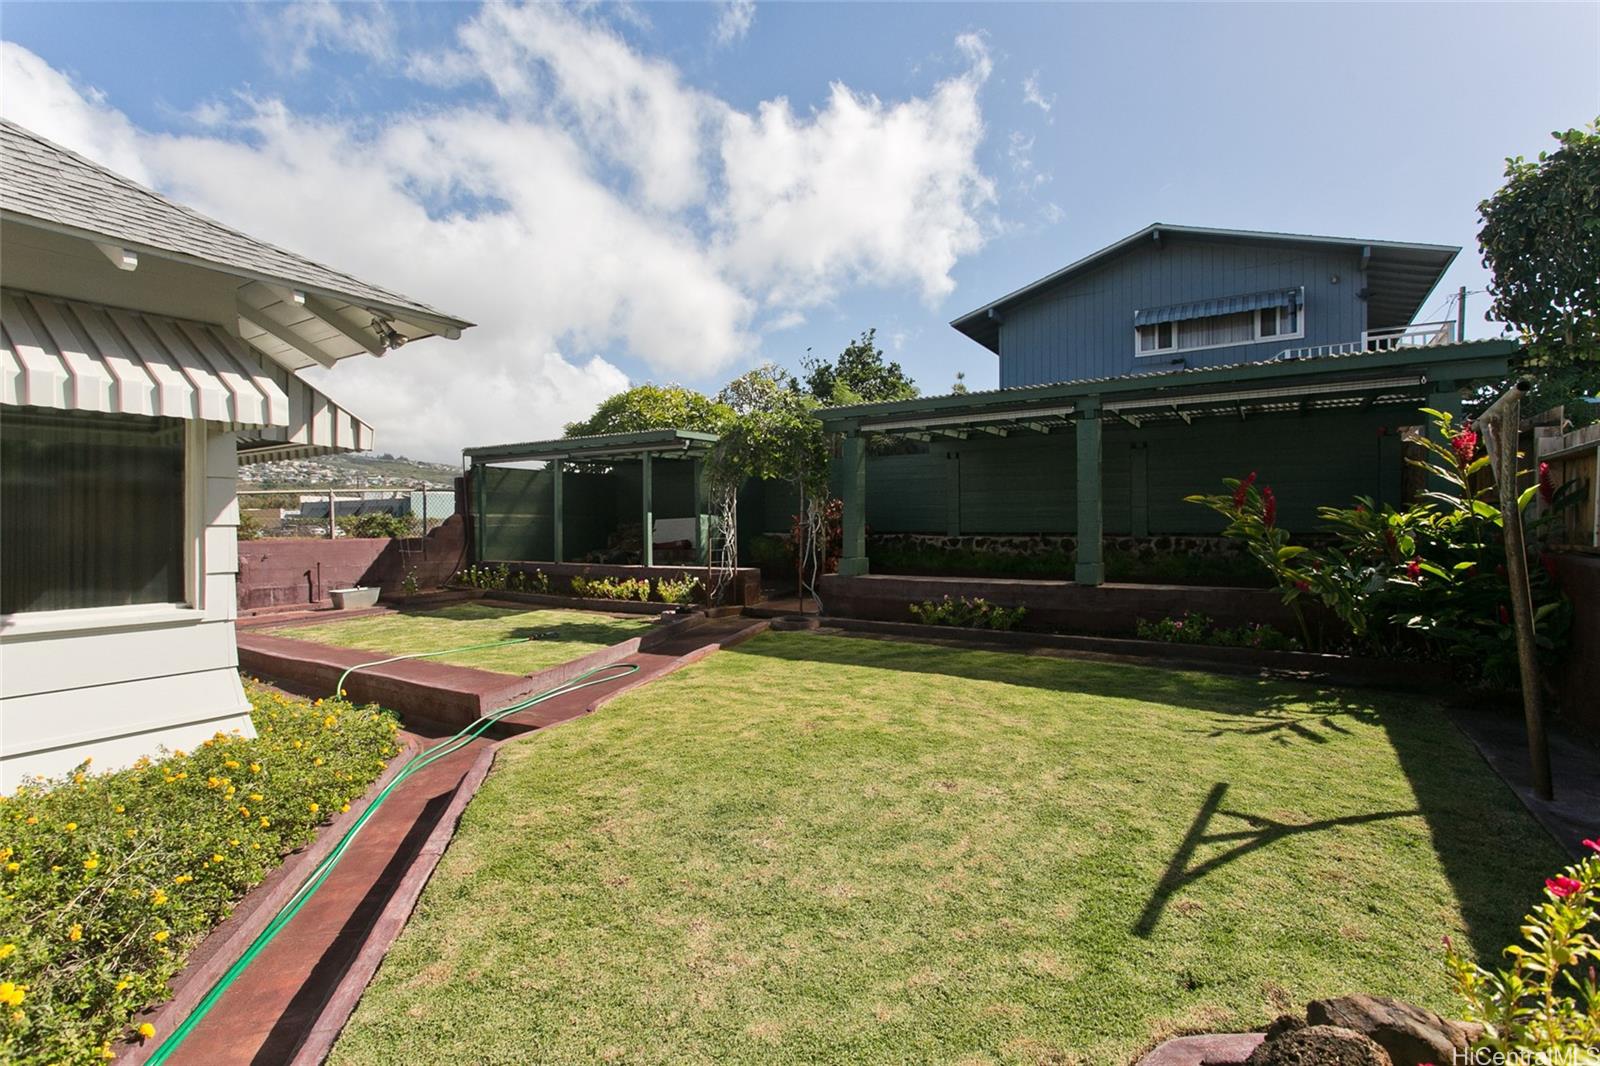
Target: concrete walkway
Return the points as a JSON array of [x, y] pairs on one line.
[[290, 1004]]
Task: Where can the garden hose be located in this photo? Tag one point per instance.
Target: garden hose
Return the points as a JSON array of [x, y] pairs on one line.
[[338, 690], [319, 874]]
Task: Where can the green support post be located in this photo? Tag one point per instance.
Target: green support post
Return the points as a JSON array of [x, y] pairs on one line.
[[479, 520], [1091, 567], [648, 552], [702, 538], [557, 522], [853, 494]]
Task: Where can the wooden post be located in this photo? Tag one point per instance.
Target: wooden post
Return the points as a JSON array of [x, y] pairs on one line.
[[1091, 567], [557, 522], [1500, 424], [332, 507], [648, 551]]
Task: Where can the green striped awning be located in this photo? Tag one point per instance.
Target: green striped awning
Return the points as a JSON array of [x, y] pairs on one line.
[[1227, 305]]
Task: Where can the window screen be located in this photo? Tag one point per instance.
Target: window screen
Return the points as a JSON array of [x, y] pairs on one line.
[[91, 510]]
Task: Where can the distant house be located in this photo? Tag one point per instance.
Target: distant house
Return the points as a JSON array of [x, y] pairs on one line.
[[1152, 369], [145, 351]]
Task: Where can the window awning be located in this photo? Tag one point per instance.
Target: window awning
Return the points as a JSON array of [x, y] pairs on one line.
[[1227, 305], [75, 356]]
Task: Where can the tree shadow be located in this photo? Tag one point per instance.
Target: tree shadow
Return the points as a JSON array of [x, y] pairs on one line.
[[1262, 832], [1490, 850]]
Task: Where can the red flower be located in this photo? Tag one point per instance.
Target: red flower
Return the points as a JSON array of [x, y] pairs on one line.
[[1563, 886], [1242, 491], [1547, 486], [1303, 586], [1269, 507], [1505, 615], [1464, 444], [1414, 569], [1592, 845]]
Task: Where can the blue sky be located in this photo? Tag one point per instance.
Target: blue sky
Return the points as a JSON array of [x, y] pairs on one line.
[[616, 192]]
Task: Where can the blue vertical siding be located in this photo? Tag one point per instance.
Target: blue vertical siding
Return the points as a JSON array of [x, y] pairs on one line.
[[1083, 328]]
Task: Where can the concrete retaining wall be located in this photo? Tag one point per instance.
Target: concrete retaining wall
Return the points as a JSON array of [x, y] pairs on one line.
[[291, 570], [1104, 610]]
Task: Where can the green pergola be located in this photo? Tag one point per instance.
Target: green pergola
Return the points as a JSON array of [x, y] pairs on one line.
[[1433, 376], [643, 447]]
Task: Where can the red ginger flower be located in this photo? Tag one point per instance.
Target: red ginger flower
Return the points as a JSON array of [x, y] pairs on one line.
[[1242, 491], [1547, 485], [1563, 886], [1465, 445], [1269, 507], [1414, 568]]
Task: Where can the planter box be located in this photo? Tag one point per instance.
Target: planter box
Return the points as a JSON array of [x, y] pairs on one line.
[[354, 598]]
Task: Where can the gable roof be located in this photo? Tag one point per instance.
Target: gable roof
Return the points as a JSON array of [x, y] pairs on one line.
[[1400, 275], [46, 185]]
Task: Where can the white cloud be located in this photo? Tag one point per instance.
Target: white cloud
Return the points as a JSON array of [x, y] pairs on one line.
[[858, 192], [293, 31], [591, 203], [734, 21], [1031, 94]]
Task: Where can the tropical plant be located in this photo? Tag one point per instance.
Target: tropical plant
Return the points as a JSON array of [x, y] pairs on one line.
[[1544, 1006], [975, 613], [1192, 627], [377, 524], [606, 588], [682, 590]]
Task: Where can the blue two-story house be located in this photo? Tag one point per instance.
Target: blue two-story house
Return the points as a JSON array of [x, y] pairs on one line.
[[1153, 368]]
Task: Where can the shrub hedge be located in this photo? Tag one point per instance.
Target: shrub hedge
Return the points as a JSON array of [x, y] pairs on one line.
[[107, 881]]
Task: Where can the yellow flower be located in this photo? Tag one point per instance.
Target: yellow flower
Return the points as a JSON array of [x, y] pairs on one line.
[[183, 879], [216, 856], [71, 827], [123, 984], [255, 797], [75, 934], [255, 768], [317, 761], [343, 808], [33, 819], [213, 781], [342, 692], [158, 898], [119, 808], [146, 1030], [91, 863], [7, 950], [318, 703], [161, 936], [231, 764], [12, 995], [298, 745], [106, 1053], [315, 808], [265, 821], [329, 722]]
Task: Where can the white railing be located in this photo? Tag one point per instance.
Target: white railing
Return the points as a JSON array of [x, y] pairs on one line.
[[1416, 335]]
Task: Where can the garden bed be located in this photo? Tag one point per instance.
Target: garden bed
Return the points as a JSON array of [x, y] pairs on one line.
[[111, 880]]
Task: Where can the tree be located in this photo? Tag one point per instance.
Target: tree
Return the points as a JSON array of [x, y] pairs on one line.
[[646, 407], [1541, 241], [766, 388], [859, 375], [960, 386]]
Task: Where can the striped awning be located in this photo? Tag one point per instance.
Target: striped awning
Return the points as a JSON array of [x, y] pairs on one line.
[[1227, 305], [75, 356]]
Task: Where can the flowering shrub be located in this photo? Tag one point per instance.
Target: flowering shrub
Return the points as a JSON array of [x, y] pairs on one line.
[[680, 591], [976, 613], [1545, 1006], [608, 588], [1192, 627], [1429, 580], [501, 577], [108, 880]]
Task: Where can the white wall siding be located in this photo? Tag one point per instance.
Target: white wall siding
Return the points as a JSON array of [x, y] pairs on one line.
[[118, 691]]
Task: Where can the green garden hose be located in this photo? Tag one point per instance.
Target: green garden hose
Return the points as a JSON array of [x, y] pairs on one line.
[[314, 880]]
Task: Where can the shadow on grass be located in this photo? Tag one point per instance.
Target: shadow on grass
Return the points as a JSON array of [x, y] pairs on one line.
[[601, 631], [1262, 831], [1490, 850]]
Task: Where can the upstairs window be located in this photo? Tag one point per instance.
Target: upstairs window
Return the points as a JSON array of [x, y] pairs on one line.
[[1219, 323]]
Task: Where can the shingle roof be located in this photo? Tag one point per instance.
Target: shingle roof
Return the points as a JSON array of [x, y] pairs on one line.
[[44, 181]]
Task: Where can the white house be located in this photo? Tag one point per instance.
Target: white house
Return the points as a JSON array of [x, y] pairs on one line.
[[145, 351]]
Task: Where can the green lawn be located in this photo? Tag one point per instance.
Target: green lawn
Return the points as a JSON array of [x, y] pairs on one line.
[[559, 635], [814, 848]]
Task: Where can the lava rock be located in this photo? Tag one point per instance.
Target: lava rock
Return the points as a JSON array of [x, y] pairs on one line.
[[1412, 1035], [1320, 1045], [1284, 1023]]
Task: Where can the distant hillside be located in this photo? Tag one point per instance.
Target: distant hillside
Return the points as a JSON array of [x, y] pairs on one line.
[[378, 471]]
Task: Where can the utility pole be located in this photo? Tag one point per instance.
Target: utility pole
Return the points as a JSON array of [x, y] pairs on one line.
[[1461, 314]]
